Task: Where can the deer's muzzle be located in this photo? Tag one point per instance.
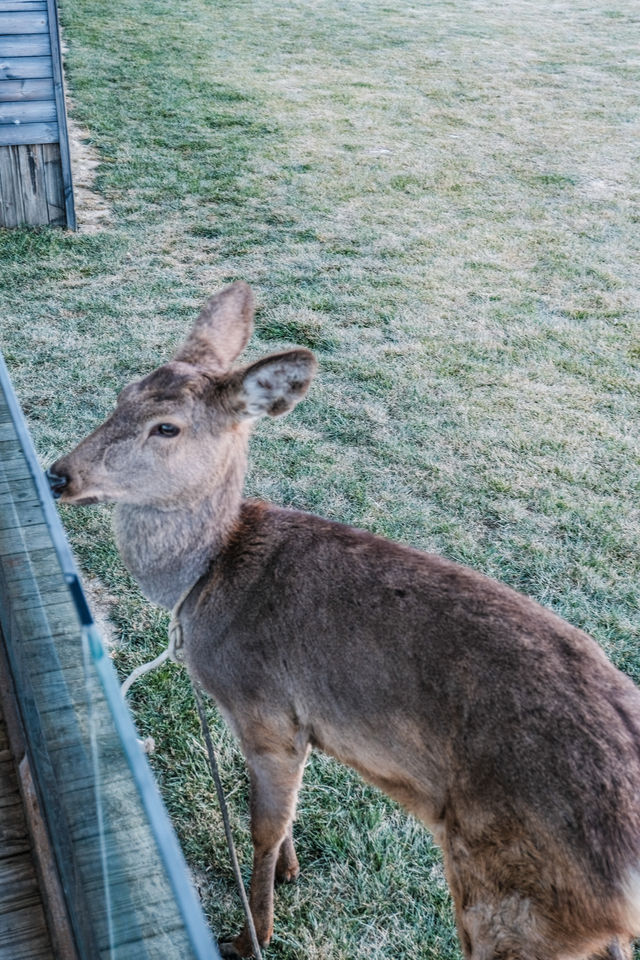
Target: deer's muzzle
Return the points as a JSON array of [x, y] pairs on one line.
[[57, 482]]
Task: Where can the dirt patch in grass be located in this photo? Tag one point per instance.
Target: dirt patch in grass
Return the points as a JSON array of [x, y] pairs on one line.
[[92, 211], [102, 603]]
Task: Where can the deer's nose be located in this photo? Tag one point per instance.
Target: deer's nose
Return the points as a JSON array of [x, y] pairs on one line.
[[57, 482]]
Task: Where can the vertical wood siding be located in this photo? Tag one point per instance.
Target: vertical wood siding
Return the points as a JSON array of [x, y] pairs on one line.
[[35, 167], [31, 188]]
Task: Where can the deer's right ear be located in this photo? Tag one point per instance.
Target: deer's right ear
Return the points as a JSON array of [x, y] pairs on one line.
[[273, 385], [222, 330]]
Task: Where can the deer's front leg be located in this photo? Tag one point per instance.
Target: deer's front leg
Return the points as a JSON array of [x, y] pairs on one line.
[[275, 781], [287, 866]]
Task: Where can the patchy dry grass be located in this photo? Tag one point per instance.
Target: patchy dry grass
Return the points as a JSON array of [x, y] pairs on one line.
[[442, 200]]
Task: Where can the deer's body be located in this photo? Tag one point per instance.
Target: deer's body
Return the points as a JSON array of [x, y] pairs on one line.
[[502, 727]]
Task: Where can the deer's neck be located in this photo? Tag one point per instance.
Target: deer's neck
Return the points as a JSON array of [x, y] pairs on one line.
[[167, 551]]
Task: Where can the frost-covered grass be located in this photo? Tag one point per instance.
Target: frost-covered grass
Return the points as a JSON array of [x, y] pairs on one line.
[[442, 201]]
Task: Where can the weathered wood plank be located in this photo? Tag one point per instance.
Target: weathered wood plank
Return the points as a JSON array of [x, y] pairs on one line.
[[25, 68], [10, 443], [7, 507], [22, 5], [12, 541], [18, 508], [23, 22], [11, 208], [30, 512], [20, 490], [34, 111], [7, 771], [29, 653], [38, 621], [15, 468], [25, 134], [42, 672], [9, 794], [13, 843], [34, 191], [42, 563], [17, 91], [25, 593], [10, 461], [41, 567], [25, 45], [11, 492], [7, 432], [13, 830], [11, 211], [18, 883], [54, 183], [8, 784], [23, 935], [10, 448], [31, 191], [19, 580]]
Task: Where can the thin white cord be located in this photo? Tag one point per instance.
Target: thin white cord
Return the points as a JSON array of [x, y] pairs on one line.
[[142, 669], [173, 651]]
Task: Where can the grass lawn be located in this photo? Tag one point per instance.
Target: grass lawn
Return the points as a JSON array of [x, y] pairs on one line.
[[442, 200]]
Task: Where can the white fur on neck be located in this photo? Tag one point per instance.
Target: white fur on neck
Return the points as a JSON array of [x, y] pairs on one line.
[[167, 551]]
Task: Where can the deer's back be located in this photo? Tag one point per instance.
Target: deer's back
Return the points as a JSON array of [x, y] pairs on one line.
[[454, 693]]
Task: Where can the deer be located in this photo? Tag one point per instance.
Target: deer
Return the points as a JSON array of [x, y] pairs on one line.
[[500, 726]]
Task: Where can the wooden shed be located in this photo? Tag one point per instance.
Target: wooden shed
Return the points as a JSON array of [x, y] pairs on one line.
[[90, 868], [35, 167]]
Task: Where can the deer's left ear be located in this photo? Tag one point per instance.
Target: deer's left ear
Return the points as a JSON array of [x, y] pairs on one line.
[[273, 385]]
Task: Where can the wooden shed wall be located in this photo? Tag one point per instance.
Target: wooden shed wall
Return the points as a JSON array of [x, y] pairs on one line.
[[35, 169]]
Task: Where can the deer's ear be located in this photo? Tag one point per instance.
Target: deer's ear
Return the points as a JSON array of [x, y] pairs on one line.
[[222, 330], [273, 385]]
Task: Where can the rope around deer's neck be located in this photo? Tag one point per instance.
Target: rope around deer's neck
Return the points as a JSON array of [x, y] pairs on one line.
[[174, 652]]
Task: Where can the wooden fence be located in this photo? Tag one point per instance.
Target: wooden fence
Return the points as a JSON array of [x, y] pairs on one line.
[[113, 883], [35, 168]]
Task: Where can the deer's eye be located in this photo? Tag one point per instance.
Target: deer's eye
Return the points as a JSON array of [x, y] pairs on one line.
[[165, 430]]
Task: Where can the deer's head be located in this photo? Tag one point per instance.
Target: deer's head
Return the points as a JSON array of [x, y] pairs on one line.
[[182, 429]]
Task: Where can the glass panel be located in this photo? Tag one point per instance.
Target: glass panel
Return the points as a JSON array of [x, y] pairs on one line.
[[127, 887]]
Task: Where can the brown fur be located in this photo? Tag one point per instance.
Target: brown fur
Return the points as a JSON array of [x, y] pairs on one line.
[[502, 727]]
